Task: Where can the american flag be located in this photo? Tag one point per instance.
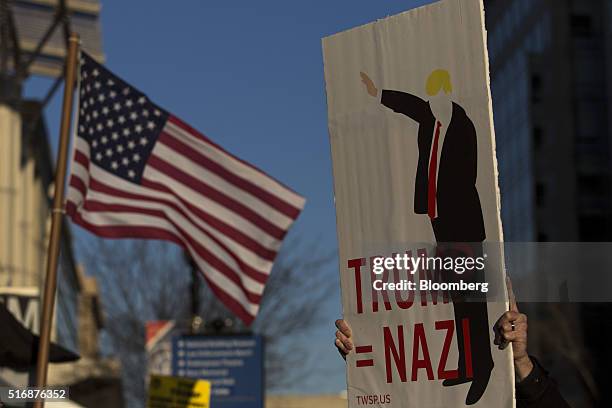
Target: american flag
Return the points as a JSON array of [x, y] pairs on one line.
[[140, 172]]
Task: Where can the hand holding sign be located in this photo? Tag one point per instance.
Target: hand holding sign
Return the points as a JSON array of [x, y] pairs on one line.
[[344, 342], [512, 328]]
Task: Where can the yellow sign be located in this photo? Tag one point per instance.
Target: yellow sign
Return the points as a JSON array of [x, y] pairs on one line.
[[177, 392]]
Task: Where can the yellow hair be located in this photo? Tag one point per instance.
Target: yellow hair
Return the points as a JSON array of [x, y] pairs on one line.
[[438, 79]]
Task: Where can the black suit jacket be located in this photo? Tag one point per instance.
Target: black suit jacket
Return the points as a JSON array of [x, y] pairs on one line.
[[459, 211]]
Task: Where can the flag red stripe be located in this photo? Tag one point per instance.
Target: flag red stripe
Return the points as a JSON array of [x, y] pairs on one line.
[[271, 199], [77, 183], [216, 223], [214, 194], [79, 157], [70, 208], [103, 188]]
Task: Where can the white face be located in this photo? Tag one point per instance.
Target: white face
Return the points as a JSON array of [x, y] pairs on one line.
[[441, 106]]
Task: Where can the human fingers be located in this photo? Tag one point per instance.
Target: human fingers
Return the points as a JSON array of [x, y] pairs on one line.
[[511, 316], [346, 342], [344, 327], [341, 348], [511, 296], [516, 335], [506, 318], [513, 326], [505, 323]]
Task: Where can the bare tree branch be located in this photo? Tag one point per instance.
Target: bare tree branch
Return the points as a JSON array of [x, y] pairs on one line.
[[150, 280]]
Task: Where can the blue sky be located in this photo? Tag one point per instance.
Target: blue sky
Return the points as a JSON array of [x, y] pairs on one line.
[[250, 76]]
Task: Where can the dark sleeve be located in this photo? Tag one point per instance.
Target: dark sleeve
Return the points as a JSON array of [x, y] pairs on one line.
[[538, 390], [405, 103]]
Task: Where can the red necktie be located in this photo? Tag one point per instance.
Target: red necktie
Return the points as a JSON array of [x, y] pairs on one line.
[[433, 166]]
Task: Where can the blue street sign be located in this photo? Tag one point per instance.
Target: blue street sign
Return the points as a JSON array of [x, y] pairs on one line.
[[233, 364]]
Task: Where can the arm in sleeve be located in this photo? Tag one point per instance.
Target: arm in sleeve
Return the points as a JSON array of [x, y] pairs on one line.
[[404, 103], [538, 390]]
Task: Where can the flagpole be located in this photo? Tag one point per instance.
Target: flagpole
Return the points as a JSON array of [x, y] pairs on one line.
[[48, 300]]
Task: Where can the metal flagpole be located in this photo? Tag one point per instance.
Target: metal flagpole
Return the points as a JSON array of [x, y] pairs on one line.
[[56, 217]]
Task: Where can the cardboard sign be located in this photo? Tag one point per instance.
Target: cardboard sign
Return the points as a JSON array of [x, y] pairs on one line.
[[176, 392], [413, 151]]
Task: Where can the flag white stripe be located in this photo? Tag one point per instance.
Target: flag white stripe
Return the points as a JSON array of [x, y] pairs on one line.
[[200, 173], [74, 196], [80, 172], [235, 166], [81, 145]]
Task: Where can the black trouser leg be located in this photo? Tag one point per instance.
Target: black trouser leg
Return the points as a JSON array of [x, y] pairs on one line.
[[470, 307], [480, 348]]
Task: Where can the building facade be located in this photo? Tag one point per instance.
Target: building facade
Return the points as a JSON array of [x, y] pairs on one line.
[[26, 177], [550, 90], [26, 173], [550, 67]]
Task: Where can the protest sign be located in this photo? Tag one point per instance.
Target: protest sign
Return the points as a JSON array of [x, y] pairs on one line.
[[415, 174]]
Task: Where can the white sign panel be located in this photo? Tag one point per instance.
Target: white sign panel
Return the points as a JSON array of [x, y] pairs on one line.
[[417, 203]]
